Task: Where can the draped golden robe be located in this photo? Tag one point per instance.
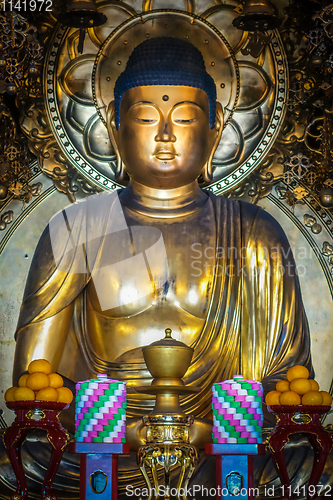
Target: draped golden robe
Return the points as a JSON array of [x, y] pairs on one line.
[[254, 325]]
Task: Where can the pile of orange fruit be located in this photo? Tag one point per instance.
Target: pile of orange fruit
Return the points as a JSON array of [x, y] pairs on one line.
[[40, 385], [298, 389]]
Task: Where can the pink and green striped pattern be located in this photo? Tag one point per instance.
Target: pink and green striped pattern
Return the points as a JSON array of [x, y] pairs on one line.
[[100, 411], [237, 411]]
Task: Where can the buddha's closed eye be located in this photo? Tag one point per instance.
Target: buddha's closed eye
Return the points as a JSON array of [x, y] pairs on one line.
[[188, 120], [145, 120]]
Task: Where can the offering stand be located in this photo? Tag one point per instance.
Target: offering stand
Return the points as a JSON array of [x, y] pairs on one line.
[[294, 420], [234, 468], [35, 415], [167, 425], [99, 469]]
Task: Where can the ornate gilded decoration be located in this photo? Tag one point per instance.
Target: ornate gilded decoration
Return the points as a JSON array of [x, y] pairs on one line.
[[5, 219], [302, 170], [35, 414], [286, 200], [301, 418], [154, 458], [20, 53], [327, 251], [168, 441], [311, 222], [98, 481], [15, 158], [308, 130]]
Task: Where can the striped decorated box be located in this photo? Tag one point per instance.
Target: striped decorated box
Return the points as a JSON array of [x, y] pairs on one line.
[[237, 411], [100, 411]]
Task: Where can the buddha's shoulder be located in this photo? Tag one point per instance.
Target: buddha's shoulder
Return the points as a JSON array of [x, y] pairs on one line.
[[255, 222], [259, 224], [93, 209]]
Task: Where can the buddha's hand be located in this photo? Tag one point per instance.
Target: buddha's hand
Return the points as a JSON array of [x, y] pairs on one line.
[[200, 433]]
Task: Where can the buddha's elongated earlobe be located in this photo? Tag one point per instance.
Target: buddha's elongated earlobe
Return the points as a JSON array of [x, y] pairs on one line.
[[207, 173], [120, 173]]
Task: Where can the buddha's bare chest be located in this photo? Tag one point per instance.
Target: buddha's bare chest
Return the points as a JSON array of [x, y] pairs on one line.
[[160, 275]]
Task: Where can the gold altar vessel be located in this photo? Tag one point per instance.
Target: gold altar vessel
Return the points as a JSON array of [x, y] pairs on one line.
[[168, 442]]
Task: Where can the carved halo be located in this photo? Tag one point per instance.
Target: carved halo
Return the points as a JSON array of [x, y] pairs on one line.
[[219, 59]]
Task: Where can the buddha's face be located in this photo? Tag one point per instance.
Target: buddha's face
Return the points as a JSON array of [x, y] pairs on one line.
[[164, 137]]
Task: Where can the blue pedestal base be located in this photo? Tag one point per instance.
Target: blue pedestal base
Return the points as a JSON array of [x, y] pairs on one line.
[[234, 469], [99, 469]]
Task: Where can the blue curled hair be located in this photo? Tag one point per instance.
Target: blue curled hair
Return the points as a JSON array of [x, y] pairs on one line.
[[166, 61]]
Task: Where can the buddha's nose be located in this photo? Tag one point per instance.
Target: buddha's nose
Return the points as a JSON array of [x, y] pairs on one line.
[[165, 133]]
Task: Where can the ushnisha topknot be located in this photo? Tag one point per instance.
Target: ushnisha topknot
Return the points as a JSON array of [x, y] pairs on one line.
[[166, 61]]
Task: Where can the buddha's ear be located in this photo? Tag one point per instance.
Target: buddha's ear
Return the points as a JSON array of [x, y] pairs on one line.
[[219, 122], [216, 138], [113, 134], [111, 124]]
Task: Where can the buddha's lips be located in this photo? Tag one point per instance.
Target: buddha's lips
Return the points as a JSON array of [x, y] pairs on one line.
[[165, 155]]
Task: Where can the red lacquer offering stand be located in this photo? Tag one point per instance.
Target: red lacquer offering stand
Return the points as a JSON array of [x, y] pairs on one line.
[[35, 415], [294, 420]]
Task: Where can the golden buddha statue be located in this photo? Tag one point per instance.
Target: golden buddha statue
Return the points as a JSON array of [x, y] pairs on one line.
[[111, 273]]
